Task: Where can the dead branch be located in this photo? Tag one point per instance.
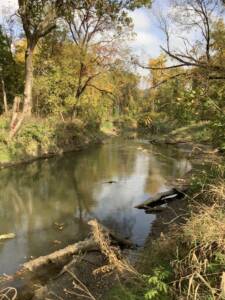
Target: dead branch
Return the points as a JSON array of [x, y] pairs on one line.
[[56, 256], [162, 198]]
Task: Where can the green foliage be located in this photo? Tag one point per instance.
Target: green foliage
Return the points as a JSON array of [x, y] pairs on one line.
[[192, 97], [125, 292], [125, 122], [10, 71], [154, 121], [39, 137], [158, 288]]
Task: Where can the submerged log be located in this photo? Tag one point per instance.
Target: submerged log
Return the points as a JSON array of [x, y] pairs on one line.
[[162, 198], [43, 268]]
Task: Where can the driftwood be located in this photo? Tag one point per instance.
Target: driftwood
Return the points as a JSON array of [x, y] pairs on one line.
[[86, 245], [42, 268], [45, 267], [61, 254], [7, 236], [162, 198]]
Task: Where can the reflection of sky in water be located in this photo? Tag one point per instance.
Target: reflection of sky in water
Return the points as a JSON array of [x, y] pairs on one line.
[[72, 188], [116, 202]]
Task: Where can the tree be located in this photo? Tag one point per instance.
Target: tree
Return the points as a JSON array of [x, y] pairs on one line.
[[38, 19], [97, 28], [10, 73], [199, 15], [5, 60], [191, 16]]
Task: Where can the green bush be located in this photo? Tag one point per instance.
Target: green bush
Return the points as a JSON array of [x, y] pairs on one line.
[[38, 137], [125, 122]]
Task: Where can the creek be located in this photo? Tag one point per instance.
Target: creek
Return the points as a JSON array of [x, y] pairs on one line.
[[47, 203]]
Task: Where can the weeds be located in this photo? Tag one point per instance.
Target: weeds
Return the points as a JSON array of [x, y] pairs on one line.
[[201, 271]]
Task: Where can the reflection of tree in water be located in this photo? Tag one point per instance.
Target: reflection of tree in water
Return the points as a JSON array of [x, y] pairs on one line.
[[169, 164], [156, 180], [61, 190], [41, 193]]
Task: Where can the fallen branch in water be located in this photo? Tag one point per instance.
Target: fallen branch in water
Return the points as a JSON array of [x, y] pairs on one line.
[[113, 255], [7, 236], [162, 198], [61, 254]]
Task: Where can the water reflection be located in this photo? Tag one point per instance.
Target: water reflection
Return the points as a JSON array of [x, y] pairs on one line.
[[48, 202]]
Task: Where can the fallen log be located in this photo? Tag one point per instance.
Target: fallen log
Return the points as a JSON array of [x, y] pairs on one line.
[[61, 254], [7, 236], [86, 245], [43, 268], [163, 198]]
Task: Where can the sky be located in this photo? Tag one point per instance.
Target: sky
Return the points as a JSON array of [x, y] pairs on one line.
[[148, 37]]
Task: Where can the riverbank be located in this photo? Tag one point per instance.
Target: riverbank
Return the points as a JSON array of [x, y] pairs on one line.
[[184, 256], [45, 138], [197, 135], [168, 242]]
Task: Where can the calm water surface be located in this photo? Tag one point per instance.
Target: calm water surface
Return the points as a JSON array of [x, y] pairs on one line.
[[47, 203]]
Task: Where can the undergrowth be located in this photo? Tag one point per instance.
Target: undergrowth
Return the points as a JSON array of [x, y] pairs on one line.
[[39, 137]]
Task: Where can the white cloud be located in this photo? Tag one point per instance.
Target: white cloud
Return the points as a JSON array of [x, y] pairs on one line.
[[146, 40], [141, 19], [7, 8]]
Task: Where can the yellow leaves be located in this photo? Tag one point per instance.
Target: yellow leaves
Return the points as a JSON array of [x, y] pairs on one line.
[[158, 62], [158, 74], [20, 48]]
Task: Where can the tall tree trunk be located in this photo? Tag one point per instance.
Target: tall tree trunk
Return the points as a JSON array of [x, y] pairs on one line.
[[4, 96], [27, 105], [28, 81]]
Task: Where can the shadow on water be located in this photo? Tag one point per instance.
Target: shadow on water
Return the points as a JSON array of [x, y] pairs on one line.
[[47, 203]]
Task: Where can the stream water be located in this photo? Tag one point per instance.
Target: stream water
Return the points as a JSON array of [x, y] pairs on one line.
[[47, 203]]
